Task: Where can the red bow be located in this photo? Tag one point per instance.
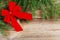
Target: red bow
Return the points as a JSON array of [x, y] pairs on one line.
[[15, 11]]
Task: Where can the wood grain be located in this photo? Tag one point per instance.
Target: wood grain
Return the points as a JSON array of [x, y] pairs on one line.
[[39, 30]]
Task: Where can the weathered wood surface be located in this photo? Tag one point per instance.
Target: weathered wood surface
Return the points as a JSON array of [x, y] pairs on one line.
[[38, 30]]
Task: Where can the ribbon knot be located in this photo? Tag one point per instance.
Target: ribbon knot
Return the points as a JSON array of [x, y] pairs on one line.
[[15, 11]]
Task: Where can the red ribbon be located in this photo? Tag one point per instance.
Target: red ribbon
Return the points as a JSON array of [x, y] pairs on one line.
[[15, 11]]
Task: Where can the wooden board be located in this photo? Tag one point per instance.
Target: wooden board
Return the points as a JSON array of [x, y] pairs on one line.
[[38, 30]]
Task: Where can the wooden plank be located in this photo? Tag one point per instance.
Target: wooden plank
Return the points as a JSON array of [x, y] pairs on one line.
[[39, 30]]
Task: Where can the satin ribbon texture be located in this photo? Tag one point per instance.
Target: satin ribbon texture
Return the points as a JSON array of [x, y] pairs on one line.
[[13, 12]]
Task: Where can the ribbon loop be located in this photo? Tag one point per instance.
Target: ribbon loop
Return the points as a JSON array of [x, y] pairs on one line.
[[5, 12]]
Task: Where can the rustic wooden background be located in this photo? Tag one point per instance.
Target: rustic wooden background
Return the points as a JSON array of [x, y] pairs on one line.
[[38, 29]]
